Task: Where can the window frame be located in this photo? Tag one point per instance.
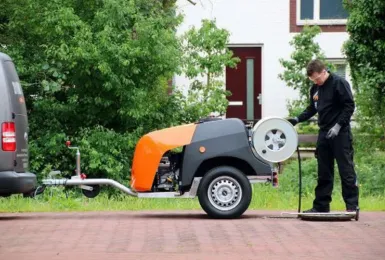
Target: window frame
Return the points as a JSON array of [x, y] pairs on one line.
[[316, 16], [342, 61]]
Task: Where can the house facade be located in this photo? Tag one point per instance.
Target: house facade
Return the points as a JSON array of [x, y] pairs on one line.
[[260, 32]]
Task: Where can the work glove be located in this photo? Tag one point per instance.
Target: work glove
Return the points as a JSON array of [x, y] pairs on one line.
[[293, 121], [333, 132]]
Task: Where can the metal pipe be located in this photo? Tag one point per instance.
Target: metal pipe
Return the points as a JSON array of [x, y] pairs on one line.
[[75, 182], [78, 162]]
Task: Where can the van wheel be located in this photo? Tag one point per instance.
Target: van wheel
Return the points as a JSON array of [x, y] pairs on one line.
[[224, 192]]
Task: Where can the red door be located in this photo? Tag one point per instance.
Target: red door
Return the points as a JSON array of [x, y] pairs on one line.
[[244, 83]]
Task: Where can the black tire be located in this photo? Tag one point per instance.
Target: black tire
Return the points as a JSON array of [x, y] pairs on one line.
[[228, 182], [28, 194], [91, 193]]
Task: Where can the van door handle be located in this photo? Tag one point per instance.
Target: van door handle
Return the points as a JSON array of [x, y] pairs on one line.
[[260, 98]]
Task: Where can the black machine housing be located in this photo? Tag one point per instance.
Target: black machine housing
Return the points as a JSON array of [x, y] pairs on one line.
[[225, 142]]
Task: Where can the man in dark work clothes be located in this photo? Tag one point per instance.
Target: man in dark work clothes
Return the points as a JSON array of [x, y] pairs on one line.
[[331, 97]]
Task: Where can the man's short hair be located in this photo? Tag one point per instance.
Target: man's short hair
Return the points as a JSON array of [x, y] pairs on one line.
[[314, 66]]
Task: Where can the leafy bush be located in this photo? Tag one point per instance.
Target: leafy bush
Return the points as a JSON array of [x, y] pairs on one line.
[[371, 173], [205, 57], [93, 72], [107, 153], [370, 169], [365, 51], [289, 179], [307, 128], [104, 153], [305, 49], [97, 72]]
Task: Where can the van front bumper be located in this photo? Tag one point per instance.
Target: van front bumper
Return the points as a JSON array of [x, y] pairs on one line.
[[16, 183]]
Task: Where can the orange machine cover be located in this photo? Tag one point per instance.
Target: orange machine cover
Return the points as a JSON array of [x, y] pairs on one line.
[[150, 149]]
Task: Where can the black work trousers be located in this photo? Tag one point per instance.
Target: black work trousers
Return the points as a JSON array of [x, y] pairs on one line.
[[341, 149]]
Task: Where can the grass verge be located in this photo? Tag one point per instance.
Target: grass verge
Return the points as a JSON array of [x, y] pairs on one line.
[[264, 198]]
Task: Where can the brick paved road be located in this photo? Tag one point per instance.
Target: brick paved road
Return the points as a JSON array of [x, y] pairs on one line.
[[187, 235]]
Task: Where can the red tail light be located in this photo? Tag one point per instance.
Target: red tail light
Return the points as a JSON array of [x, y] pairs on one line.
[[8, 137]]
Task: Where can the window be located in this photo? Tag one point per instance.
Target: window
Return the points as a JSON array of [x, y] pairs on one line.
[[250, 88], [340, 70], [307, 9], [321, 12], [340, 67]]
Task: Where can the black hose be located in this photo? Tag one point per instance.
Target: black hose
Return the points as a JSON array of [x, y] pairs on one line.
[[300, 181]]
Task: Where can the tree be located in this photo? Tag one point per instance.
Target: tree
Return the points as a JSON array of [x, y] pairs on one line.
[[365, 51], [205, 57], [305, 49], [92, 71]]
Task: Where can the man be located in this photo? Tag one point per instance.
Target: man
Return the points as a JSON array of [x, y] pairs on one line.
[[332, 99]]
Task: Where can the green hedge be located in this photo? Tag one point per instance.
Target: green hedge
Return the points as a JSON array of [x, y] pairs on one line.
[[370, 170]]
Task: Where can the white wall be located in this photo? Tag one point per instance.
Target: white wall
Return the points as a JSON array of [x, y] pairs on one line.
[[331, 44], [263, 22]]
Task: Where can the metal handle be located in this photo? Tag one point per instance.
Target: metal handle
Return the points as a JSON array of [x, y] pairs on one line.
[[260, 98]]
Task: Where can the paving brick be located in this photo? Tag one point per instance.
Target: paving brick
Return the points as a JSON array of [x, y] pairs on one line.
[[187, 235]]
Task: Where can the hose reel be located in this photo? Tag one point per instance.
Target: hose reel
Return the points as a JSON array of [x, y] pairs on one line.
[[274, 139]]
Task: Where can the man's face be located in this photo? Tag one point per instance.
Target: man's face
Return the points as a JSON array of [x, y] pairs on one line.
[[318, 78]]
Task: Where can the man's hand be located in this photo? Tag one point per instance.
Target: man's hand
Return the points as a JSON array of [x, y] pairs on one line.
[[293, 121], [333, 132]]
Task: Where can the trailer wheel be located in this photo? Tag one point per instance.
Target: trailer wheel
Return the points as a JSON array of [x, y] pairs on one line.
[[224, 192], [92, 193]]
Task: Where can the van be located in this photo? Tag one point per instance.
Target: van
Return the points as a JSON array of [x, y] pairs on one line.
[[15, 177]]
